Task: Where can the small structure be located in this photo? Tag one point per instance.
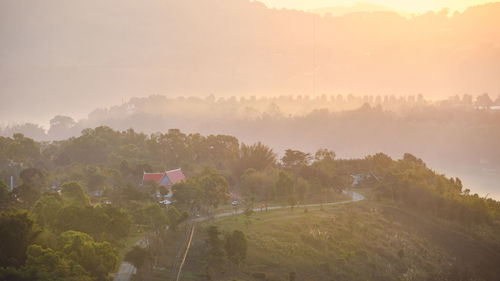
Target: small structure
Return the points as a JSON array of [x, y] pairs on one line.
[[166, 179]]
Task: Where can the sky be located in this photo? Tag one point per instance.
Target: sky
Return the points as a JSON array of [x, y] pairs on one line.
[[411, 6], [64, 57]]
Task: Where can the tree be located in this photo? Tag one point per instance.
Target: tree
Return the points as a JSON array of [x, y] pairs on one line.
[[294, 160], [50, 265], [324, 154], [302, 188], [248, 212], [175, 217], [484, 100], [284, 186], [23, 150], [46, 208], [26, 195], [410, 158], [254, 184], [16, 233], [115, 221], [138, 256], [257, 156], [60, 127], [153, 216], [208, 188], [214, 187], [216, 255], [33, 177], [4, 193], [74, 195], [98, 258], [108, 223], [187, 193], [236, 245]]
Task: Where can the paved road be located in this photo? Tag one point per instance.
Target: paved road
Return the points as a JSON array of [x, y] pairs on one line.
[[126, 270], [354, 195]]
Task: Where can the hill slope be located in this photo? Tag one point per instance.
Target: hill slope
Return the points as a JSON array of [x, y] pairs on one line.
[[362, 241]]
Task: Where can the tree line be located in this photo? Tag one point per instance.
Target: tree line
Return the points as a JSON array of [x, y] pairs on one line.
[[83, 195]]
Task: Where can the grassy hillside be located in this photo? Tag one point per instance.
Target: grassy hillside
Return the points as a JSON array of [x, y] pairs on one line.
[[368, 240]]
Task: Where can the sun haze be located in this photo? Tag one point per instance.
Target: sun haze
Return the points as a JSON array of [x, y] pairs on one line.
[[408, 6]]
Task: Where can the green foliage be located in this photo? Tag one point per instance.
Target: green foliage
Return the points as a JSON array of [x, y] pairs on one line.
[[4, 193], [187, 193], [33, 177], [236, 246], [20, 149], [257, 156], [46, 208], [302, 189], [285, 186], [98, 258], [16, 234], [214, 186], [126, 195], [25, 195], [410, 182], [294, 160], [138, 256], [102, 222], [153, 216], [51, 265], [74, 195], [256, 185], [216, 254], [175, 217], [208, 188]]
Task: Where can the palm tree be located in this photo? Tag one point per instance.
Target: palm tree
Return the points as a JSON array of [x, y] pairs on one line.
[[257, 156]]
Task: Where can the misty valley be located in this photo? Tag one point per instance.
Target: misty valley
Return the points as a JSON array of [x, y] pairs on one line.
[[249, 140]]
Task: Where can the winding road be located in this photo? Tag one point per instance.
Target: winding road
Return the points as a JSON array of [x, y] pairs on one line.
[[126, 270]]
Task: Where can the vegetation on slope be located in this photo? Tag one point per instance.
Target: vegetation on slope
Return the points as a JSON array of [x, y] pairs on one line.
[[369, 240]]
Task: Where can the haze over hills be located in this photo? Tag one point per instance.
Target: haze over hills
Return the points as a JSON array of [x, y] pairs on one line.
[[65, 57], [452, 136], [336, 11]]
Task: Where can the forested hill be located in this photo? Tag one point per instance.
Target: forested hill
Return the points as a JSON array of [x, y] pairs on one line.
[[78, 201]]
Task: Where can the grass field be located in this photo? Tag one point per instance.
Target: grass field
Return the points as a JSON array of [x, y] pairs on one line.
[[360, 241]]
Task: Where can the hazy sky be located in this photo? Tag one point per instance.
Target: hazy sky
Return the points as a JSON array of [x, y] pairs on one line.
[[60, 57], [412, 6]]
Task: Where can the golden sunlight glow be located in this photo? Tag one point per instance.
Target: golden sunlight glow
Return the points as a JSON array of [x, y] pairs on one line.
[[410, 6]]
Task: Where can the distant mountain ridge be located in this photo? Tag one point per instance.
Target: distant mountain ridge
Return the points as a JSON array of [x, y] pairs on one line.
[[70, 57]]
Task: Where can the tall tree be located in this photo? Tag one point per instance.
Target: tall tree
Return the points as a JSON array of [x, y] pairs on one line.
[[4, 193], [98, 258], [216, 254], [138, 256], [16, 233], [73, 194], [257, 156], [33, 176], [46, 208], [26, 195], [285, 186], [236, 245]]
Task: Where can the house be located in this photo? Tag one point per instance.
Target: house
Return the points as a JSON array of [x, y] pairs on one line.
[[166, 179]]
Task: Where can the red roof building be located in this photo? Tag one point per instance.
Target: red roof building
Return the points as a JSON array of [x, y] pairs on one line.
[[156, 177], [166, 179], [175, 176]]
